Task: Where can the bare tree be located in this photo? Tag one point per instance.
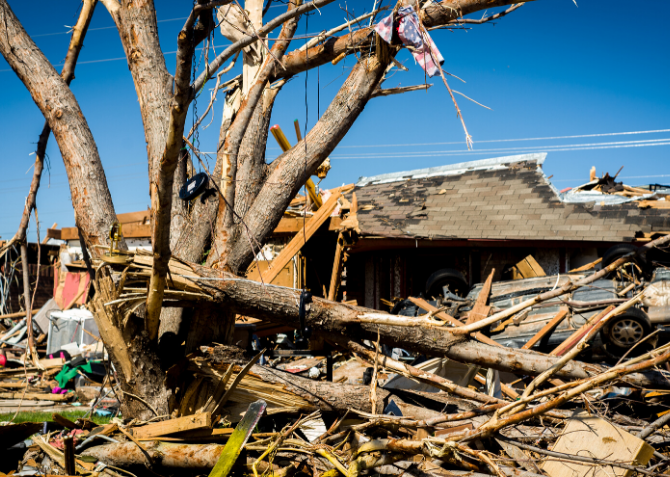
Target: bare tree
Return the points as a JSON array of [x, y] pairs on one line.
[[252, 194]]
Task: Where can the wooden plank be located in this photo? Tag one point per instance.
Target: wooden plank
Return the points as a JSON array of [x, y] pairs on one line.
[[529, 268], [573, 339], [186, 423], [596, 438], [300, 238], [553, 323], [64, 421], [336, 274], [588, 266], [141, 216], [284, 278], [52, 232], [52, 362], [292, 225], [36, 396], [480, 310]]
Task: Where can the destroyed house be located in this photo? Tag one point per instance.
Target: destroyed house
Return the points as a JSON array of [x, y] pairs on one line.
[[479, 215]]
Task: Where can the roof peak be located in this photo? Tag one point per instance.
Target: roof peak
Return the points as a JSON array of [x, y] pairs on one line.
[[496, 163]]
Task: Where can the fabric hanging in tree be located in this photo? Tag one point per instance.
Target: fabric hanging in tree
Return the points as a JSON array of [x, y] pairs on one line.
[[415, 37]]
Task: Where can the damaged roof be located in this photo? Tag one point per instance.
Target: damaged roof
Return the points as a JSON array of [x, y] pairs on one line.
[[507, 198]]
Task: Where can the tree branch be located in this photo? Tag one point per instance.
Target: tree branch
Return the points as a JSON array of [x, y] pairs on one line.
[[92, 201], [435, 15], [162, 211], [249, 39], [279, 305]]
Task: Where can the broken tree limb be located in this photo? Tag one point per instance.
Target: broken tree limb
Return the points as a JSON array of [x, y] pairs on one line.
[[399, 90], [418, 374], [164, 181], [336, 273], [567, 288], [424, 305], [279, 305], [617, 372]]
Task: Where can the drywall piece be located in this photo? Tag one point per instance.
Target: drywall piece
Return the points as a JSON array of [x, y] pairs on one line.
[[589, 436]]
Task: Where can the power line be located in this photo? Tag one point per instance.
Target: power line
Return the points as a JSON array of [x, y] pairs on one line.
[[113, 27], [513, 151], [505, 149], [655, 131]]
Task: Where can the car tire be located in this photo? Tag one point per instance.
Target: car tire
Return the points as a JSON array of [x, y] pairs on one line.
[[625, 331], [447, 276], [617, 251]]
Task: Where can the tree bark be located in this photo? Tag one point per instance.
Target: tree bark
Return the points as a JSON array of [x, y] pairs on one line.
[[435, 15], [76, 43], [91, 199]]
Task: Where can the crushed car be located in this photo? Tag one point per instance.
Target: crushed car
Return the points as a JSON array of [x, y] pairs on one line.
[[630, 333]]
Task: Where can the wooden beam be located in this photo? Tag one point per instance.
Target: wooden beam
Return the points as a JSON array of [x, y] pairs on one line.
[[293, 225], [186, 423], [336, 275], [555, 321], [52, 232], [574, 338], [480, 310], [294, 246]]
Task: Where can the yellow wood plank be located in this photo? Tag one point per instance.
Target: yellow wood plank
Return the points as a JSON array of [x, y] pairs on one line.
[[186, 423], [301, 237]]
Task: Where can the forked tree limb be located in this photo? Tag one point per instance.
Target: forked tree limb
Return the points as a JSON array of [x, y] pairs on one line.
[[91, 199], [228, 155]]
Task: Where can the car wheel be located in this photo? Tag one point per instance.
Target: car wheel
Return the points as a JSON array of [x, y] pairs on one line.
[[625, 331], [616, 252], [447, 276]]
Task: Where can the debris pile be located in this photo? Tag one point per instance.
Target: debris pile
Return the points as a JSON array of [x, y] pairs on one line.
[[357, 407]]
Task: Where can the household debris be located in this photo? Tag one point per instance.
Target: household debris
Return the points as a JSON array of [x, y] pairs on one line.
[[394, 411]]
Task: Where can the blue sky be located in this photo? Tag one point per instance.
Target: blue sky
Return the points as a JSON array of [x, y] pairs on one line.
[[548, 70]]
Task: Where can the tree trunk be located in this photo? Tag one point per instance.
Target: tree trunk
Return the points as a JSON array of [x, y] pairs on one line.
[[91, 199], [278, 305]]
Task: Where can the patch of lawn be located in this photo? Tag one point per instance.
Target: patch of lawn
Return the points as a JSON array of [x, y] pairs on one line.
[[36, 416]]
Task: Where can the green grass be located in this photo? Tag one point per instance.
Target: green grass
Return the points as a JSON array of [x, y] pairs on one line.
[[46, 416]]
